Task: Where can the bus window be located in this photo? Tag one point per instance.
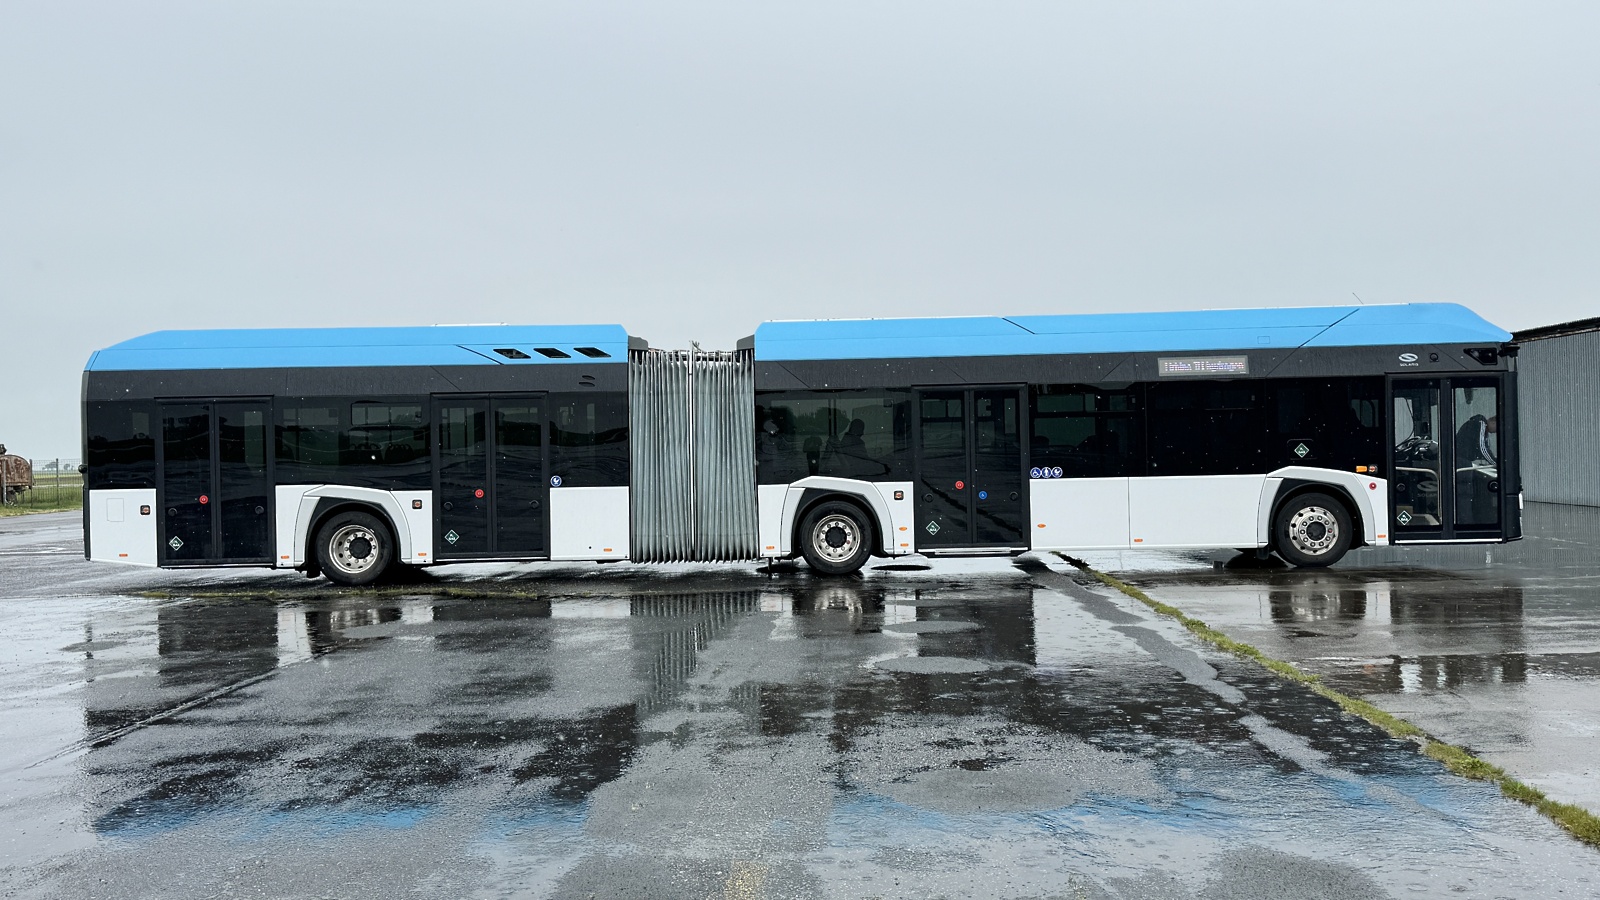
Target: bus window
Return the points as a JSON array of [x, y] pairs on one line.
[[1477, 453], [371, 443], [1416, 475], [1087, 432], [845, 434], [1207, 428], [589, 439], [121, 446]]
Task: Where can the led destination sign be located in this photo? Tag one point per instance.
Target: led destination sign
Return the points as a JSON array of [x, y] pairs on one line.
[[1202, 365]]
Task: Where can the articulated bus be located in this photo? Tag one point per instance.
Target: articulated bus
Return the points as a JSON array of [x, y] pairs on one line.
[[345, 452]]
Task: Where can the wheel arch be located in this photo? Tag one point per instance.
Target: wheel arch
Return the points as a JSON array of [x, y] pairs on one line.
[[814, 497], [1299, 487], [328, 507]]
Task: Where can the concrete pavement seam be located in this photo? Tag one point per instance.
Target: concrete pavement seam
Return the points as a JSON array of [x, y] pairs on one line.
[[1577, 821]]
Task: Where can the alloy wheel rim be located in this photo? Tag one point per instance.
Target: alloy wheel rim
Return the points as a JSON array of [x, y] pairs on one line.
[[1313, 530], [355, 549], [836, 538]]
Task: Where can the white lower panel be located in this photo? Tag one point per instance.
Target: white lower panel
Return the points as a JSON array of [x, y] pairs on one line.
[[1195, 511], [287, 511], [1079, 513], [900, 531], [418, 509], [122, 526], [589, 523], [769, 519]]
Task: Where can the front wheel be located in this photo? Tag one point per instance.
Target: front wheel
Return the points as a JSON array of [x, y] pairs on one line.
[[1312, 531], [354, 548], [835, 538]]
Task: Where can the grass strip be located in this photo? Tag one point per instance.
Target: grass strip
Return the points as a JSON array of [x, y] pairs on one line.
[[1577, 821]]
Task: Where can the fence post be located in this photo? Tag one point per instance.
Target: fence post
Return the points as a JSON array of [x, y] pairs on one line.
[[58, 481]]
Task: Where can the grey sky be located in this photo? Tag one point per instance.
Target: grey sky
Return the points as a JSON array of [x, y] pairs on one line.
[[689, 169]]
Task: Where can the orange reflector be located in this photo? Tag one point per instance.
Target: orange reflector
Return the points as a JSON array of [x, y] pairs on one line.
[[285, 556], [1041, 524], [770, 547], [605, 549], [122, 554], [1383, 535], [905, 545], [902, 528], [1138, 540], [1361, 468], [422, 553]]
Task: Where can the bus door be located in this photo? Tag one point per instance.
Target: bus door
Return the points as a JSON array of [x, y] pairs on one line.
[[1446, 459], [216, 488], [970, 486], [492, 492]]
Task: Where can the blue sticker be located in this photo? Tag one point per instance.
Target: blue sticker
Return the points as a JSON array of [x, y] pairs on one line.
[[1035, 472], [1055, 472], [555, 481], [983, 495]]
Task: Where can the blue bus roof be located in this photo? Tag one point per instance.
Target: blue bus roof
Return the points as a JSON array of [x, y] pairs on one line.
[[434, 345], [1200, 330]]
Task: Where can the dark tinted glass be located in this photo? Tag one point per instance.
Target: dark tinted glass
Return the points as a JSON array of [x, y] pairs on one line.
[[369, 443], [1088, 432], [243, 500], [186, 483], [1245, 427], [846, 434], [589, 439], [121, 446], [1207, 428], [1328, 423]]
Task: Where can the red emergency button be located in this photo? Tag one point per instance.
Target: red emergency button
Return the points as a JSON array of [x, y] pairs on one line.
[[478, 493], [960, 485], [204, 499]]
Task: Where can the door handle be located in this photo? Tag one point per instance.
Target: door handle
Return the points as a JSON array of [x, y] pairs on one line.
[[534, 504]]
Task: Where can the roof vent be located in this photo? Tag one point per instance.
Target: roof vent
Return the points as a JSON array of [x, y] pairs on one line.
[[593, 352], [511, 353], [552, 352]]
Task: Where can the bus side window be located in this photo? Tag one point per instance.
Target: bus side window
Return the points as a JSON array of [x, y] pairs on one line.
[[121, 445], [589, 439], [1088, 432], [846, 434]]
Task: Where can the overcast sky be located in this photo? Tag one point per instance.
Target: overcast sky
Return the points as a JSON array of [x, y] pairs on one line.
[[689, 169]]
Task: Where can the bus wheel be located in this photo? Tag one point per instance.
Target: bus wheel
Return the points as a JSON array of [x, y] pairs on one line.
[[1312, 530], [354, 548], [835, 538]]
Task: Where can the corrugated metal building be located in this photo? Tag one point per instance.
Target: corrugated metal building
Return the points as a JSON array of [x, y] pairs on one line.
[[1558, 392]]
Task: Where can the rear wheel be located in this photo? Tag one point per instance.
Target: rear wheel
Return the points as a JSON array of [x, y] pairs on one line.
[[1312, 530], [354, 548], [835, 538]]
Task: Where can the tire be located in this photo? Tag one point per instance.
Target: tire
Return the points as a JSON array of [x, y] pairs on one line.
[[1312, 530], [354, 548], [836, 538]]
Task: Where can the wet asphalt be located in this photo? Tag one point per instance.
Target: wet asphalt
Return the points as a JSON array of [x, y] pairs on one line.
[[973, 729], [1496, 649]]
